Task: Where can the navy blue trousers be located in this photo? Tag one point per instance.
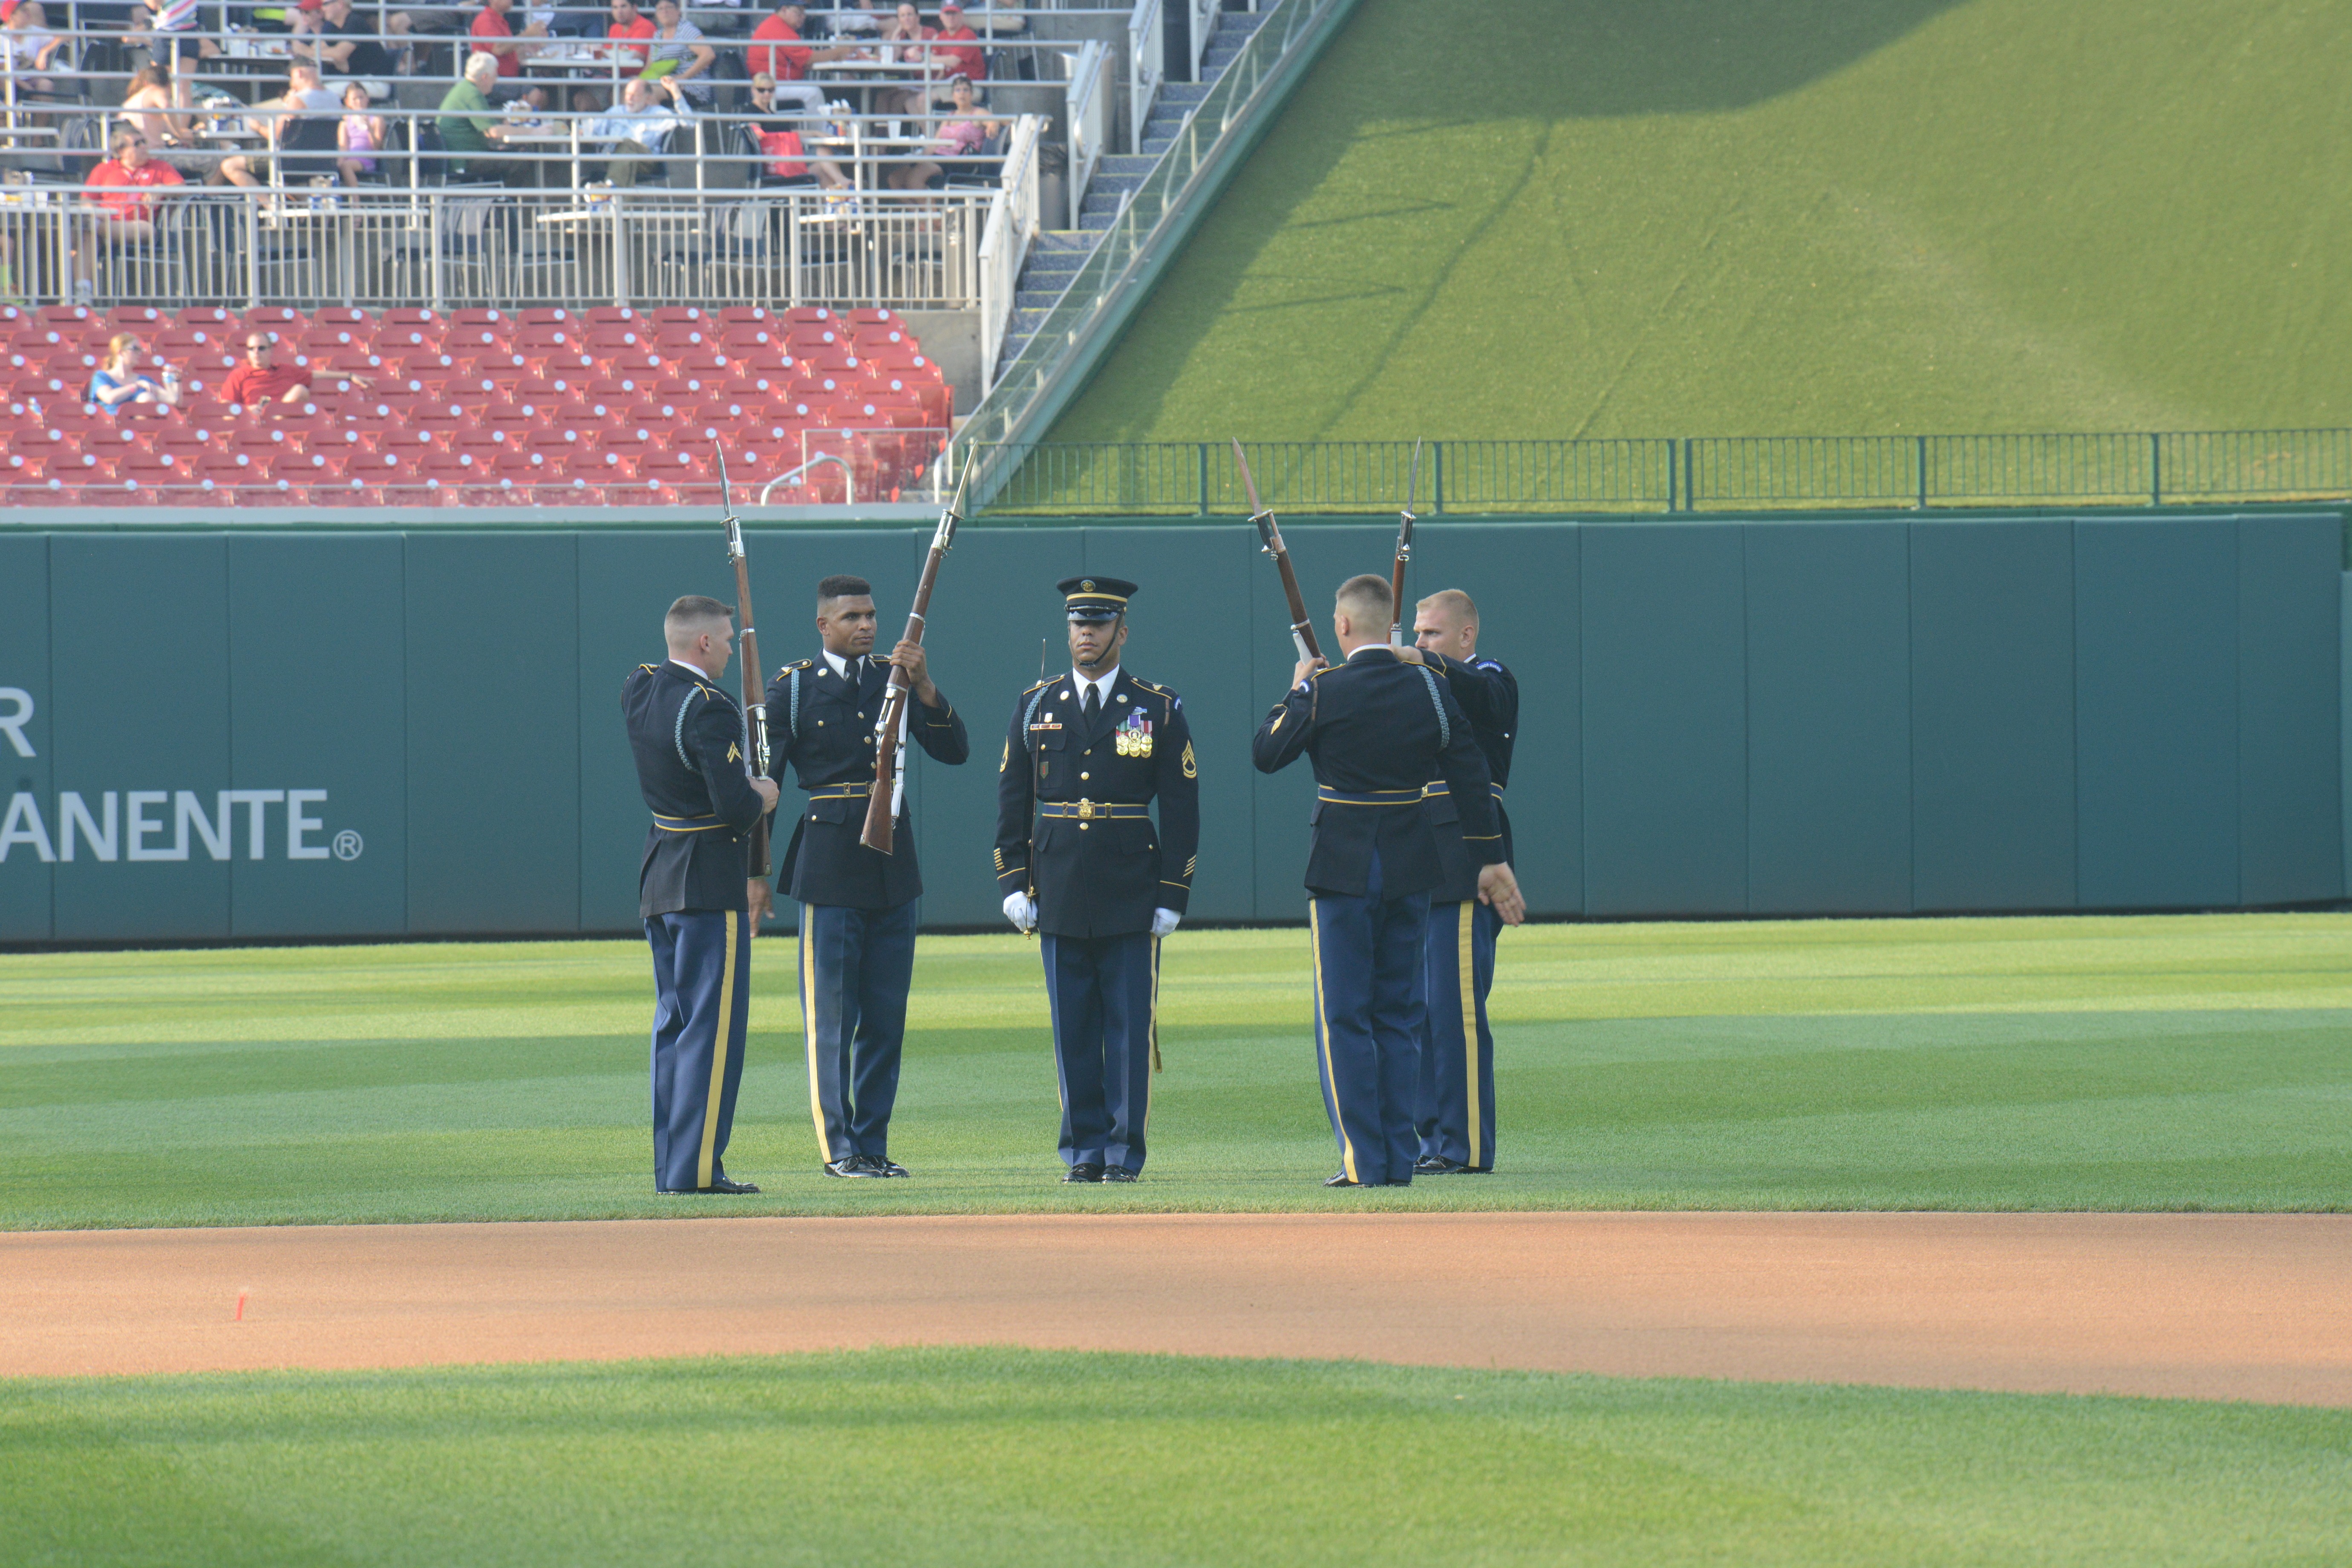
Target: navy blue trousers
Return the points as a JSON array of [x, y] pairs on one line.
[[855, 968], [1458, 1058], [702, 990], [1367, 1025], [1105, 993]]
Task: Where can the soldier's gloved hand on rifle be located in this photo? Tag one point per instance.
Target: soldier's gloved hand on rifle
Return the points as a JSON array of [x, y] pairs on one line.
[[1022, 911], [1163, 921], [1308, 667]]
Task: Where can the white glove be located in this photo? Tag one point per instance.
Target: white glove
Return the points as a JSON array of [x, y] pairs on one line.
[[1022, 911], [1163, 921]]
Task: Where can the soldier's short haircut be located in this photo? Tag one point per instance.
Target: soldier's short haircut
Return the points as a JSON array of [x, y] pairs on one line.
[[1454, 603], [843, 587], [695, 610], [1366, 599]]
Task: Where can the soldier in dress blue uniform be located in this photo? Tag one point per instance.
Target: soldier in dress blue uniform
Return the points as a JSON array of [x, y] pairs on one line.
[[1378, 727], [692, 750], [859, 906], [1079, 860], [1457, 1062]]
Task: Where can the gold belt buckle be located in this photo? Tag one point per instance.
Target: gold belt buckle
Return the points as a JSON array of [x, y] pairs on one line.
[[1086, 810]]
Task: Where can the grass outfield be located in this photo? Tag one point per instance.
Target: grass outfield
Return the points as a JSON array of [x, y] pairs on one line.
[[999, 1456], [2077, 1063], [1543, 218]]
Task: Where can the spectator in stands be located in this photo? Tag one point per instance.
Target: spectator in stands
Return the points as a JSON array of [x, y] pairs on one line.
[[155, 107], [261, 381], [778, 53], [856, 19], [119, 383], [639, 131], [495, 36], [781, 149], [956, 149], [31, 50], [679, 55], [327, 37], [1002, 19], [906, 38], [124, 212], [359, 135], [468, 128], [627, 24], [299, 127], [169, 37], [970, 60]]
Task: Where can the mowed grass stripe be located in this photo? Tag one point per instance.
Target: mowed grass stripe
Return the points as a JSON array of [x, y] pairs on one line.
[[985, 1457], [2100, 1063]]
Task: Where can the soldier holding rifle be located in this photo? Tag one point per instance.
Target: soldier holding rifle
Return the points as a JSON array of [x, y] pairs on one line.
[[692, 749], [858, 905], [1079, 860], [1377, 727], [1457, 1067]]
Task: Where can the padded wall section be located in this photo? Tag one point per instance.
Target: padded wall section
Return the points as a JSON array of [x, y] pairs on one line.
[[1666, 720], [2156, 702], [494, 778], [1992, 715], [28, 801], [1828, 720], [139, 685], [317, 626], [2290, 846]]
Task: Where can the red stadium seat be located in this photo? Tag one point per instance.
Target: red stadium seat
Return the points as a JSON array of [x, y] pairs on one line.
[[407, 316], [803, 314], [606, 314]]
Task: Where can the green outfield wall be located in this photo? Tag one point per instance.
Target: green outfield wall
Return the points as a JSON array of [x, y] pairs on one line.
[[269, 732]]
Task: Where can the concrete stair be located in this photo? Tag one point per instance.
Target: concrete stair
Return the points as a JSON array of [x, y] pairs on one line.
[[1056, 256]]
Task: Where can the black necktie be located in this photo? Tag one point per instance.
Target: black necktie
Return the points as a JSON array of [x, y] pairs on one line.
[[1093, 702]]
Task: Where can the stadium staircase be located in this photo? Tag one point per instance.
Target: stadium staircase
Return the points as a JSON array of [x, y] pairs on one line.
[[1056, 256]]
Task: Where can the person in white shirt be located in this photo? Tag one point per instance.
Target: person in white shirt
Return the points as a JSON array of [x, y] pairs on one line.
[[641, 129]]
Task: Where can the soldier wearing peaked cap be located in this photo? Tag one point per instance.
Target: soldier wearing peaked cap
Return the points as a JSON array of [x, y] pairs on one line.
[[1081, 862], [690, 744], [858, 907], [1378, 727]]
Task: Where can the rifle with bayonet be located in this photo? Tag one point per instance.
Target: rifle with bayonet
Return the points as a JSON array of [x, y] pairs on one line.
[[755, 696], [1403, 554], [1302, 630], [890, 730]]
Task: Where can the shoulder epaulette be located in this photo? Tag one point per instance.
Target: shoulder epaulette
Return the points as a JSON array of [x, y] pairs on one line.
[[1319, 674], [797, 663], [1040, 686], [1155, 691], [651, 666]]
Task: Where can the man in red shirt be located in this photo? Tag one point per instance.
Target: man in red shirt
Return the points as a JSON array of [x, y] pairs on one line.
[[950, 63], [494, 35], [770, 40], [259, 381], [125, 213], [627, 24]]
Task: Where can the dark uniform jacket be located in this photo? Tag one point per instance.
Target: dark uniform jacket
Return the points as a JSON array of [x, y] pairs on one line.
[[1097, 875], [690, 744], [1489, 695], [1379, 729], [823, 725]]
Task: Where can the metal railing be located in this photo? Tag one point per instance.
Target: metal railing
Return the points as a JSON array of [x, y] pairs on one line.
[[1146, 52], [1015, 216], [1675, 474], [447, 246]]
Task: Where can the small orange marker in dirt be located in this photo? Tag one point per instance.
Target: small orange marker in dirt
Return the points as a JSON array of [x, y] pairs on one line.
[[240, 1308]]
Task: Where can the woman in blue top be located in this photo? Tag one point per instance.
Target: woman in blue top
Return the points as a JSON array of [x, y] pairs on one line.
[[119, 382]]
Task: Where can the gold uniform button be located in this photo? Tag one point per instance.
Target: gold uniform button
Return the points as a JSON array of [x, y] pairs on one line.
[[1085, 775], [1084, 825]]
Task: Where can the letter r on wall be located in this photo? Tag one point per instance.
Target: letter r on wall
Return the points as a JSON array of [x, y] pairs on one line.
[[12, 724]]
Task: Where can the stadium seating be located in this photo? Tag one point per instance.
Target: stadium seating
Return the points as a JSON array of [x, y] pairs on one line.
[[474, 407]]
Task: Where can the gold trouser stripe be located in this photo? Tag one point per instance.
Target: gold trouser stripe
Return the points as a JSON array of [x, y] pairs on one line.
[[1467, 981], [1323, 1039], [721, 1038], [1155, 1024], [808, 1035]]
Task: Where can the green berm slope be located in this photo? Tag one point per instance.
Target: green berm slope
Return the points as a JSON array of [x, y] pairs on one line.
[[1547, 219]]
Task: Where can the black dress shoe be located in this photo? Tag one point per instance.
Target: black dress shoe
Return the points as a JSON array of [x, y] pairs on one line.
[[883, 1167], [851, 1165], [1436, 1165], [1473, 1170], [1341, 1180], [721, 1184], [1117, 1173], [1084, 1171]]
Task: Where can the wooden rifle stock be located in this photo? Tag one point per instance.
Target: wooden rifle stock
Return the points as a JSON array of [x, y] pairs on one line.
[[880, 832], [755, 693], [1302, 631], [1403, 554]]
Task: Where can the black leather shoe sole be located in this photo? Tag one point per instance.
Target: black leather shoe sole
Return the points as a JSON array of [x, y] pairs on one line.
[[890, 1168], [721, 1185], [1338, 1181], [1117, 1173], [854, 1165], [1437, 1166], [1086, 1173]]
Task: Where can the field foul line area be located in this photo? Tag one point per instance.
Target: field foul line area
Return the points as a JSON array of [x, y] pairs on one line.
[[2245, 1307]]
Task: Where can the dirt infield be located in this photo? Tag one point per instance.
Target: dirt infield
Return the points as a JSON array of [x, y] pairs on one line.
[[2210, 1306]]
